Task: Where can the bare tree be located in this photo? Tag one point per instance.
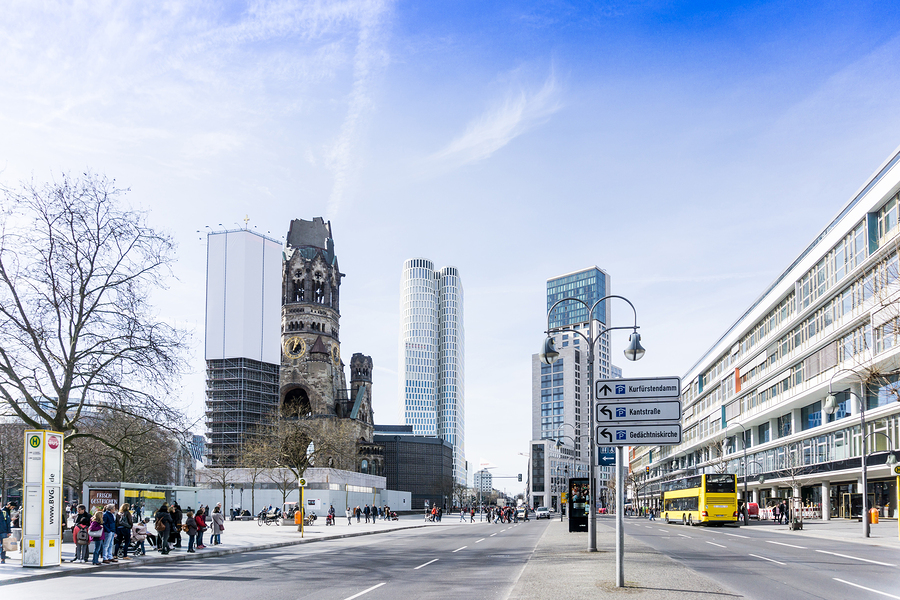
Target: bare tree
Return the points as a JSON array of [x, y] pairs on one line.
[[258, 456], [12, 457], [77, 332], [222, 477], [285, 480]]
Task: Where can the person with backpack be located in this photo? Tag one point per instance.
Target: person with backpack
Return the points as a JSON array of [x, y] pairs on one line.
[[163, 526], [124, 523], [80, 534]]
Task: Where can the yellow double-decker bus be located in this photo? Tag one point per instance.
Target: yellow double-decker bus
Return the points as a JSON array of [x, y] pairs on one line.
[[709, 499]]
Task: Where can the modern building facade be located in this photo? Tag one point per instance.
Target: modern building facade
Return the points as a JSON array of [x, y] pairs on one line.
[[483, 481], [828, 324], [560, 393], [243, 317], [432, 356], [422, 466]]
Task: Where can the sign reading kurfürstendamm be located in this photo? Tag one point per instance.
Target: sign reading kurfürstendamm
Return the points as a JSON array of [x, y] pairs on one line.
[[43, 503]]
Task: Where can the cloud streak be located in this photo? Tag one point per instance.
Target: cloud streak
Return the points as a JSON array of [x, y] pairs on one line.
[[509, 118]]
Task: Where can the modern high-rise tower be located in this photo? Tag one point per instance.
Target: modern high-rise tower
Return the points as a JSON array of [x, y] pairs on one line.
[[560, 396], [432, 353]]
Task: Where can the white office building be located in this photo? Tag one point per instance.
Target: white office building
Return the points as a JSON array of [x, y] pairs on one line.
[[827, 325], [432, 356]]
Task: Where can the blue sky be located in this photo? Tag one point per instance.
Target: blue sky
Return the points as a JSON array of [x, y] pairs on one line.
[[690, 149]]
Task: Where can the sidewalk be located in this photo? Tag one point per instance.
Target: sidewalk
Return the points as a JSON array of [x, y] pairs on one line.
[[239, 536], [885, 533], [561, 567]]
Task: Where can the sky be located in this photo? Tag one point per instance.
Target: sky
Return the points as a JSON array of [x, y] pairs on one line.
[[690, 149]]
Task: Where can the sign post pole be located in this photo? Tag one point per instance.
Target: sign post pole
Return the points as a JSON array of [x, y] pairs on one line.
[[43, 503]]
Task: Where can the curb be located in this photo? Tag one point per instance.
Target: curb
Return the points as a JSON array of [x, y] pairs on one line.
[[156, 560]]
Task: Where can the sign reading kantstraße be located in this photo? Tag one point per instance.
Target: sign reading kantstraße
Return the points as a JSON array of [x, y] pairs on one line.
[[610, 390]]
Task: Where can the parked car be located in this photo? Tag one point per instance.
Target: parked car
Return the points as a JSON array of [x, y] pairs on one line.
[[541, 512]]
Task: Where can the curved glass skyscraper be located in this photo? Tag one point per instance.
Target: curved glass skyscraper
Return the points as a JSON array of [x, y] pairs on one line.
[[432, 351]]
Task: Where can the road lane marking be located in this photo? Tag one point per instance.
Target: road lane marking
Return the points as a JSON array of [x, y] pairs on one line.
[[783, 544], [492, 535], [715, 544], [867, 589], [687, 536], [736, 535], [481, 540], [374, 587], [425, 564], [857, 558], [768, 559], [663, 530], [458, 549], [502, 530]]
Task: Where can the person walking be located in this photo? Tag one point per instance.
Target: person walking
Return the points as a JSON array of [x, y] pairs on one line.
[[358, 513], [80, 534], [95, 532], [163, 526], [200, 518], [191, 523], [124, 523], [349, 516], [109, 533], [5, 530], [218, 525], [366, 512]]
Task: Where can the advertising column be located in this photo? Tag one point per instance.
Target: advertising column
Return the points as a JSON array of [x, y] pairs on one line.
[[43, 505]]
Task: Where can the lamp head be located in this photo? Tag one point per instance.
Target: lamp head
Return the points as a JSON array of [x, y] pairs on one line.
[[634, 351], [891, 459], [761, 479], [548, 353], [830, 404]]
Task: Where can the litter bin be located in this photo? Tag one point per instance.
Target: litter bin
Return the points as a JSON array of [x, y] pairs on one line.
[[873, 516]]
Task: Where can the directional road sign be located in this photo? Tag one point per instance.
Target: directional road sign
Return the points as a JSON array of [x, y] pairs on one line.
[[606, 456], [627, 389], [639, 435], [615, 413]]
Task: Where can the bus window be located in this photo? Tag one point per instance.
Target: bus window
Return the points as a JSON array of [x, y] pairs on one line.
[[720, 484]]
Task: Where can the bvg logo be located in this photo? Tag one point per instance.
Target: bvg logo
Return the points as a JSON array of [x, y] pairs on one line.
[[34, 441]]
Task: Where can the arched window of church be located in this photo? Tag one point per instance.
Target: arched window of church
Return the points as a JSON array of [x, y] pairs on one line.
[[364, 466]]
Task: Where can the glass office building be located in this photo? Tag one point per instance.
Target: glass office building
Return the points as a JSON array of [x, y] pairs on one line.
[[560, 392], [828, 324], [432, 353]]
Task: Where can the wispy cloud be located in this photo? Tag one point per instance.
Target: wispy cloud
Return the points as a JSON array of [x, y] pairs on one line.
[[369, 60], [507, 119]]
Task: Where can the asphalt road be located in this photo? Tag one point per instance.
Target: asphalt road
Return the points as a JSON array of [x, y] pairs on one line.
[[467, 561], [761, 564]]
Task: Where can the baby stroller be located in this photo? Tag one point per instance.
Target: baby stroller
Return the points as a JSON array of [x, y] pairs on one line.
[[329, 519], [394, 516]]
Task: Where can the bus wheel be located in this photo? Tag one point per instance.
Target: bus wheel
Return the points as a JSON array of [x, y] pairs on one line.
[[690, 520], [684, 519]]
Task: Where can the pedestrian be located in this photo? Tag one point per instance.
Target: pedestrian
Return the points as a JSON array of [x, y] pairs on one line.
[[200, 517], [139, 534], [783, 512], [462, 515], [109, 534], [5, 529], [191, 524], [358, 513], [349, 516], [177, 520], [124, 523], [163, 527], [218, 525], [366, 512], [95, 532], [80, 534]]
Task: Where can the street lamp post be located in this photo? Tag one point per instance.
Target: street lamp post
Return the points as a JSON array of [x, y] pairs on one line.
[[744, 445], [830, 407], [633, 352]]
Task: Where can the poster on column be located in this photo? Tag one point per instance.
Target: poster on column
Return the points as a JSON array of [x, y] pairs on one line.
[[42, 483]]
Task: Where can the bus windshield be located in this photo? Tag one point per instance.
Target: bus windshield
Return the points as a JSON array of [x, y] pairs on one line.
[[720, 484]]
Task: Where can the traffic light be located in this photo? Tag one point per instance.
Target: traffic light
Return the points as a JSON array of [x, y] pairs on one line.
[[520, 477], [648, 469]]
